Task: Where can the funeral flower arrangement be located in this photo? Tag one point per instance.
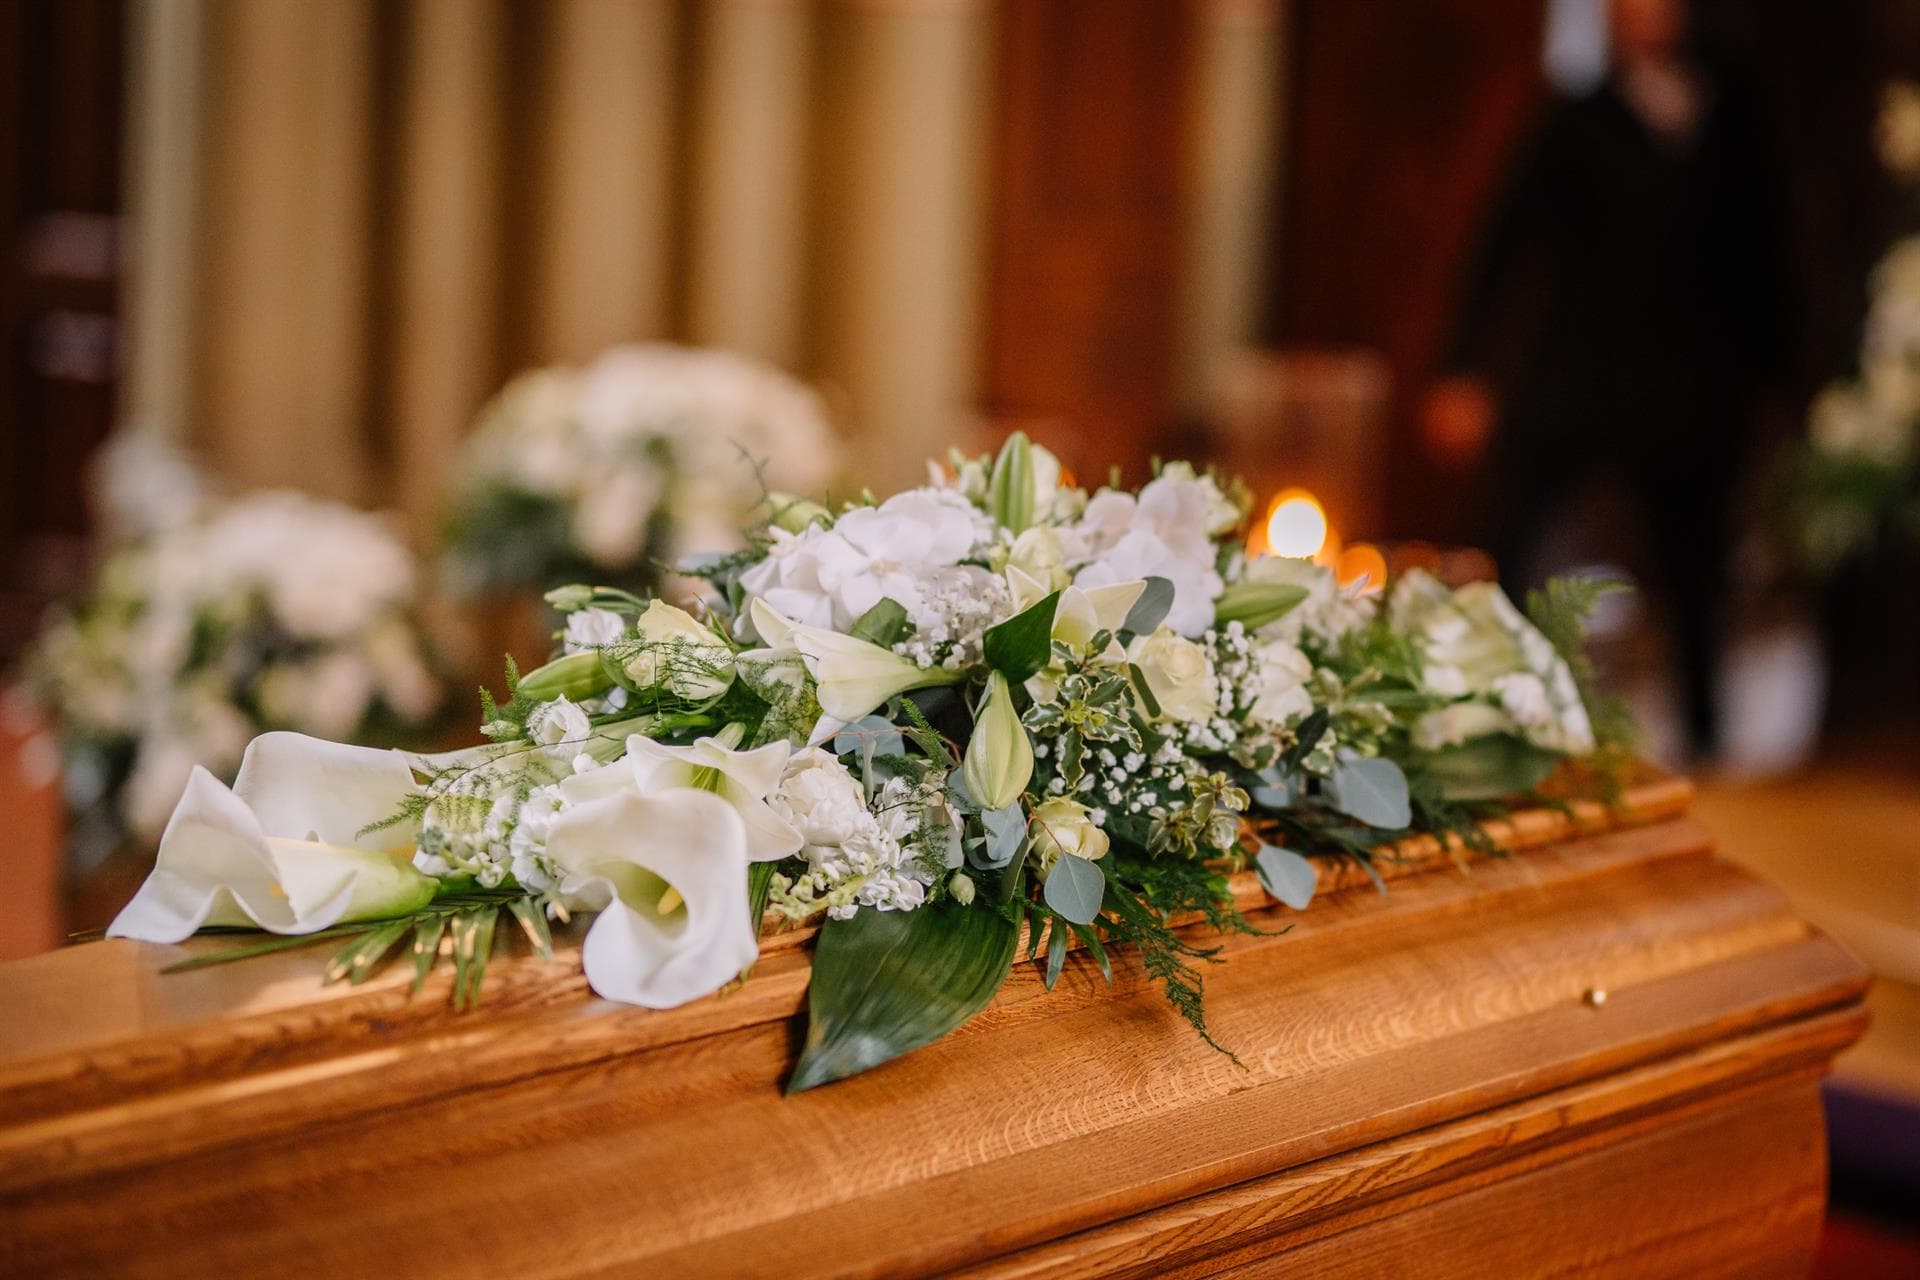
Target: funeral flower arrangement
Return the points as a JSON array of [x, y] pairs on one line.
[[990, 706], [648, 452], [227, 619], [1857, 479]]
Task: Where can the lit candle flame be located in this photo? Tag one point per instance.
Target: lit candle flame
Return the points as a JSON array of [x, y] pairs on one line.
[[1296, 525]]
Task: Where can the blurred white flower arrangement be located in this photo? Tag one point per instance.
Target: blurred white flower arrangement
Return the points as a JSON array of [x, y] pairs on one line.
[[1858, 477], [212, 622], [650, 452]]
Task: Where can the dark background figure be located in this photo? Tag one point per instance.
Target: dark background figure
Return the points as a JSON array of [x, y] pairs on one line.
[[1627, 311]]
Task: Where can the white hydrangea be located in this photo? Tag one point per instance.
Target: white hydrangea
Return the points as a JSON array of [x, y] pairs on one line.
[[899, 550], [1168, 531]]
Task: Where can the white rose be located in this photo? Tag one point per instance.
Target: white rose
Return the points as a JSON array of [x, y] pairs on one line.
[[558, 728], [679, 655], [593, 629], [1178, 674], [1065, 828], [1279, 683], [821, 798]]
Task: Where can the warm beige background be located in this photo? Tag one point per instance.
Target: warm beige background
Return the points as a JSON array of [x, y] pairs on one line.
[[352, 220]]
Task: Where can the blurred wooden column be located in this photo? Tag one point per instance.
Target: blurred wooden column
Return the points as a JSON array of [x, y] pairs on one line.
[[1087, 224], [163, 173], [446, 260], [607, 140], [283, 262], [747, 232], [904, 118], [1236, 128]]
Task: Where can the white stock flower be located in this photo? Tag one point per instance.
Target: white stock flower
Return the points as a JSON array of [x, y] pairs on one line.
[[283, 848], [593, 629], [668, 875], [854, 859], [1178, 674]]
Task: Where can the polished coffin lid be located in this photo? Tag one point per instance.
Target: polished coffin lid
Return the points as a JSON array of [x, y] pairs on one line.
[[243, 1119]]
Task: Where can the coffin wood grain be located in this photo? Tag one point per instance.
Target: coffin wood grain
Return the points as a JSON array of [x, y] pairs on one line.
[[1411, 1060]]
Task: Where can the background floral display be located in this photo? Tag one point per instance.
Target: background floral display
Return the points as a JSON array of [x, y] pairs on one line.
[[1857, 481], [989, 705], [217, 621], [648, 452]]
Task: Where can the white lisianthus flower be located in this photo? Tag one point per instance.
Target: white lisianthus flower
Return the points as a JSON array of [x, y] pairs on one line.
[[1065, 828], [1279, 683], [593, 629], [559, 728], [668, 875], [680, 655], [283, 849], [821, 798], [1179, 675]]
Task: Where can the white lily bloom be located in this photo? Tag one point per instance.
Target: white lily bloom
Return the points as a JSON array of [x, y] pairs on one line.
[[1084, 611], [851, 676], [282, 849], [668, 875], [744, 779]]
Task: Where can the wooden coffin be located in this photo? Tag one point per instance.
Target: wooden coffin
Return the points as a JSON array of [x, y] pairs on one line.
[[1598, 1055]]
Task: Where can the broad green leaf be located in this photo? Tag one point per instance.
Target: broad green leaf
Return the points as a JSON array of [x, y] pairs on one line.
[[1010, 486], [1286, 875], [1488, 768], [887, 982], [1074, 888], [1371, 789], [533, 922], [885, 624], [426, 948], [1150, 610], [1023, 644]]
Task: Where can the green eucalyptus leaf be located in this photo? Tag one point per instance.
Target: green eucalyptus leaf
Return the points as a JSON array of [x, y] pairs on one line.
[[872, 735], [1286, 875], [1371, 789], [887, 982], [1074, 888], [885, 624], [1151, 609], [1006, 834], [1023, 644]]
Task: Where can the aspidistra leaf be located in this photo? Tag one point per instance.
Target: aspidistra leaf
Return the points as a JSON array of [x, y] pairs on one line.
[[887, 982], [1023, 644]]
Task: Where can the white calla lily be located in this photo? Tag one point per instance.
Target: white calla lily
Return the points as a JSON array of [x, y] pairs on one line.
[[744, 779], [282, 849], [668, 875]]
